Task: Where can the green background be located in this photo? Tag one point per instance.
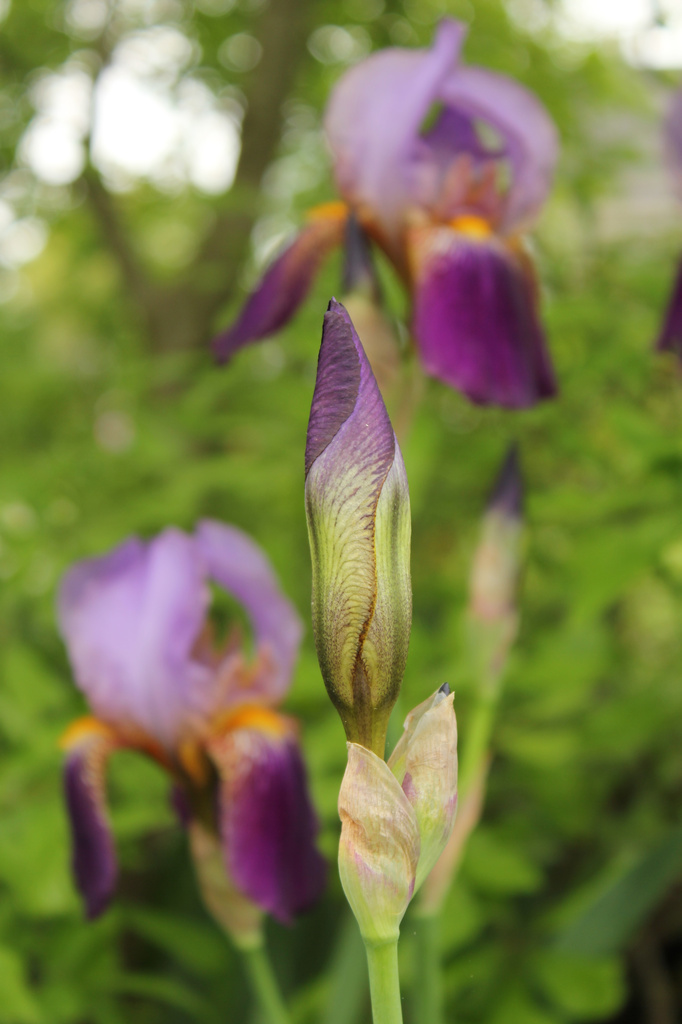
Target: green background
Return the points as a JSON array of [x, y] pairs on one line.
[[113, 423]]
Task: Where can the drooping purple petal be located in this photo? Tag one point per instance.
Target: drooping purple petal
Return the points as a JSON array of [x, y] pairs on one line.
[[357, 505], [267, 822], [285, 283], [526, 129], [673, 140], [475, 320], [236, 562], [93, 857], [670, 338], [373, 121], [130, 620]]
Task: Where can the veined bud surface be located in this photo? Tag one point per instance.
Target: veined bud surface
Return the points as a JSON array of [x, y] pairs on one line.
[[397, 817], [358, 511]]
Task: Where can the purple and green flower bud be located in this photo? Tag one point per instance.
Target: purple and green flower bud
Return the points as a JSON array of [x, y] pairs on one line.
[[396, 818], [358, 511], [496, 570]]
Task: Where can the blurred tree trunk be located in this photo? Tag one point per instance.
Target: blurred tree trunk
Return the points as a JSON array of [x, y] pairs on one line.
[[181, 314]]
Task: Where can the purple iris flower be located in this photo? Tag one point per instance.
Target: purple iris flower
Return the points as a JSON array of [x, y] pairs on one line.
[[137, 629], [670, 338], [445, 167]]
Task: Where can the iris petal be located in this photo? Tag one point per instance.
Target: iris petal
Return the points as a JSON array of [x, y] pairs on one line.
[[285, 283], [527, 131], [89, 744], [268, 825], [475, 319], [237, 563], [373, 121], [670, 338], [130, 620]]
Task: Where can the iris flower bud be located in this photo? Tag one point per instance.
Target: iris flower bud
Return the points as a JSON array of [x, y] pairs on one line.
[[494, 583], [358, 511], [396, 818]]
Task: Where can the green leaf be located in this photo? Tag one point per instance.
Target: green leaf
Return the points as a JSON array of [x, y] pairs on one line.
[[609, 922], [583, 988]]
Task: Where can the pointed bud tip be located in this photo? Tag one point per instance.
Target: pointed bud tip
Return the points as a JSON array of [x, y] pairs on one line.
[[445, 689], [507, 493], [337, 384]]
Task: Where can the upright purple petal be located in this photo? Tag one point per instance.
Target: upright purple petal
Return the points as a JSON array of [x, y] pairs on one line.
[[285, 283], [673, 140], [130, 620], [267, 822], [475, 320], [526, 130], [373, 121], [89, 745], [670, 338], [236, 562]]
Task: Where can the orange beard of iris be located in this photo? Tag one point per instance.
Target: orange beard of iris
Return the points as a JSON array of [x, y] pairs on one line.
[[472, 225]]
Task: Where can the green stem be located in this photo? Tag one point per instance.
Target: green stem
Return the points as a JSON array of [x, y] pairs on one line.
[[428, 991], [264, 985], [384, 983]]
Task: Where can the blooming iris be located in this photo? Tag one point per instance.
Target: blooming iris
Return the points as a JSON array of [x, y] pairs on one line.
[[444, 167], [670, 338], [140, 642]]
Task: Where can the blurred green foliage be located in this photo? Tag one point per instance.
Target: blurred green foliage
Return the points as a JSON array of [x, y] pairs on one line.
[[103, 435]]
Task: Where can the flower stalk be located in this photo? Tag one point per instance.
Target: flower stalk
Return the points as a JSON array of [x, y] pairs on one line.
[[492, 626], [264, 985], [384, 982]]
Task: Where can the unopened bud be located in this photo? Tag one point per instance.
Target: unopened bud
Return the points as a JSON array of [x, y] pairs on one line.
[[358, 510], [379, 846], [397, 817], [494, 583], [425, 763]]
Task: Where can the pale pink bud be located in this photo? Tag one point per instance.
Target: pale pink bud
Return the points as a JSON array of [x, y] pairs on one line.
[[397, 817]]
